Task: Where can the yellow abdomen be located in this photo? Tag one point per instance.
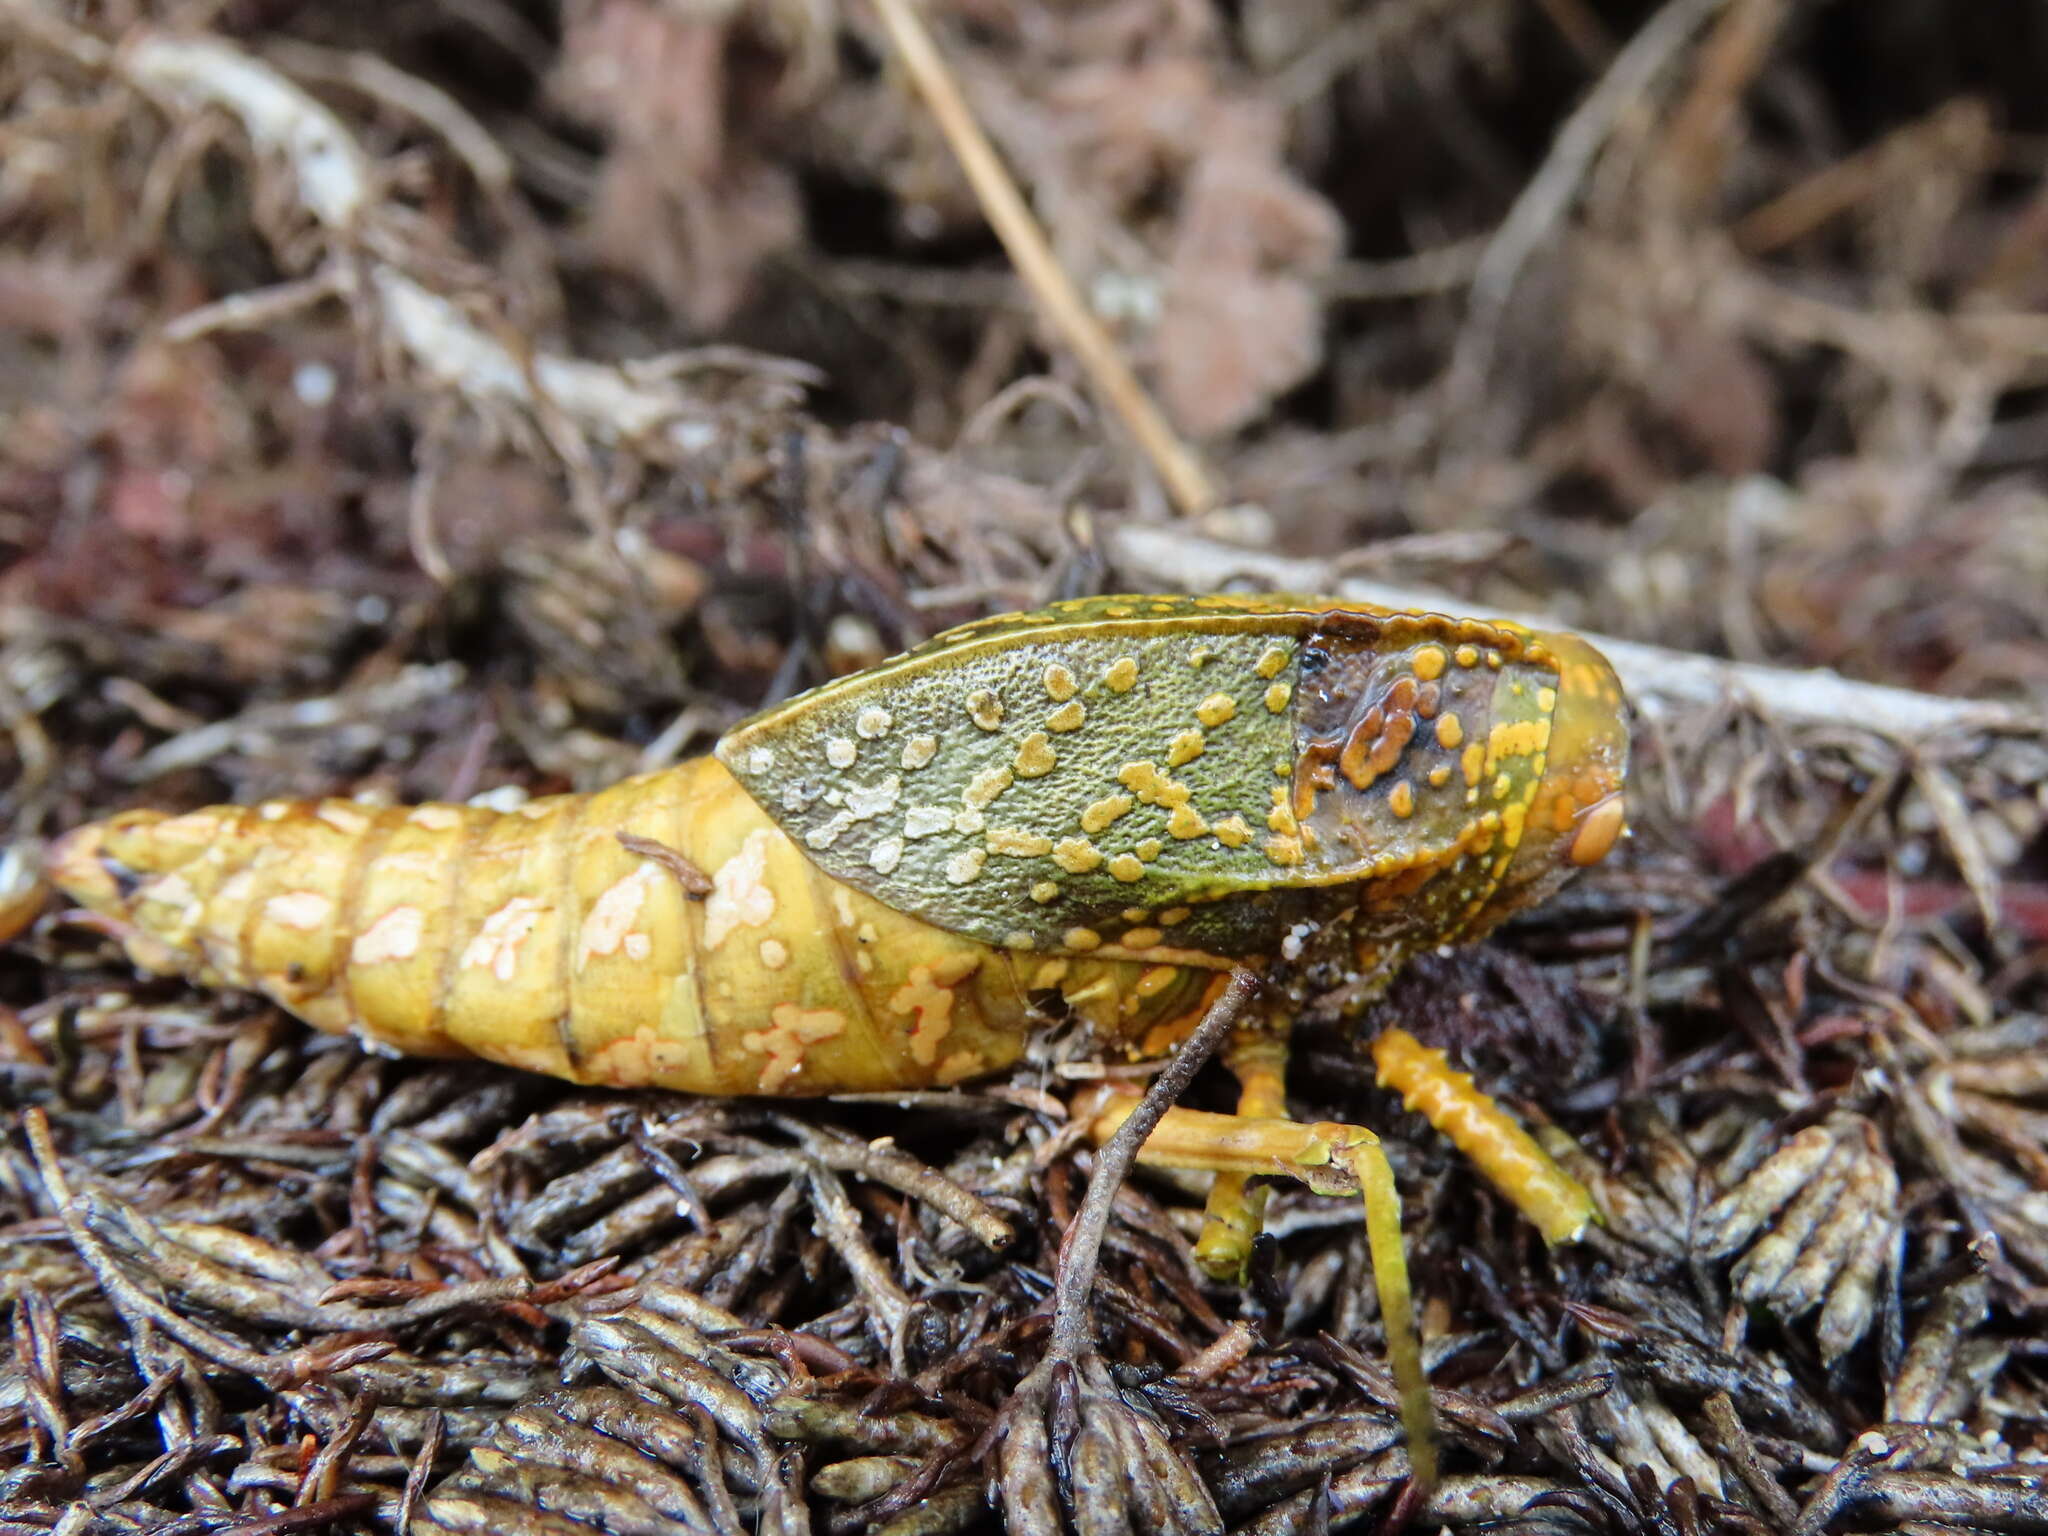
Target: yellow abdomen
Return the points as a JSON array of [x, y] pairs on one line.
[[538, 938]]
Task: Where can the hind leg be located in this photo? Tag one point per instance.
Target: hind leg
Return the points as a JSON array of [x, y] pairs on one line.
[[1331, 1159]]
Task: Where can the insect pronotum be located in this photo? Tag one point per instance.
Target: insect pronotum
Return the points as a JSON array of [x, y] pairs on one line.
[[1095, 810]]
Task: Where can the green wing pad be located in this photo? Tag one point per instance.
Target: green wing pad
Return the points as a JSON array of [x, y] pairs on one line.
[[1104, 772]]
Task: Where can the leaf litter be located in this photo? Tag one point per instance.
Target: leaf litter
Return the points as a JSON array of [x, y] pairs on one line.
[[317, 476]]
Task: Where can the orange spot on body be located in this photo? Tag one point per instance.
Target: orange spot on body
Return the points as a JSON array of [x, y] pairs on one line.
[[1386, 752], [932, 1003], [792, 1030]]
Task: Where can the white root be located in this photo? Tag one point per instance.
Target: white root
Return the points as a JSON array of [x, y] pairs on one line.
[[1660, 681], [336, 185]]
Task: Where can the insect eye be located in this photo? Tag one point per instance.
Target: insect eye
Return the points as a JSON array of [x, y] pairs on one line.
[[1599, 828]]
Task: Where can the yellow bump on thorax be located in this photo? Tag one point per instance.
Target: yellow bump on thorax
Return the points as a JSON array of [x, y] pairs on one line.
[[1122, 675], [1060, 683], [1281, 817], [1076, 855], [1035, 757], [1516, 738], [1151, 786], [1018, 844], [1232, 831], [986, 787], [985, 710], [1104, 811]]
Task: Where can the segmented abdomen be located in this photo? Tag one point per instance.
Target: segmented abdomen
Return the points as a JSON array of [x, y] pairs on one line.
[[538, 938]]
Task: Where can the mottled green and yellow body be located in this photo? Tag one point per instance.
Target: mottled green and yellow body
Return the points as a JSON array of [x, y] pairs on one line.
[[1095, 810], [1099, 810]]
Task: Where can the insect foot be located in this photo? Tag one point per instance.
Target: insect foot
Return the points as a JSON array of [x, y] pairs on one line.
[[1081, 1453]]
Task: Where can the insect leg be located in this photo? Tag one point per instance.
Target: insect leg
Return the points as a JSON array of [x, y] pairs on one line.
[[1332, 1159], [1551, 1198], [1257, 1057]]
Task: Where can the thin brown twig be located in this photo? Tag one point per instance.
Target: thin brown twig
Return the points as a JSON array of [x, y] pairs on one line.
[[1548, 197], [1082, 1246], [1011, 218]]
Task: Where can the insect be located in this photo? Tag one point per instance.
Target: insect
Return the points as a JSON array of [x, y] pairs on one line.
[[1094, 811]]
